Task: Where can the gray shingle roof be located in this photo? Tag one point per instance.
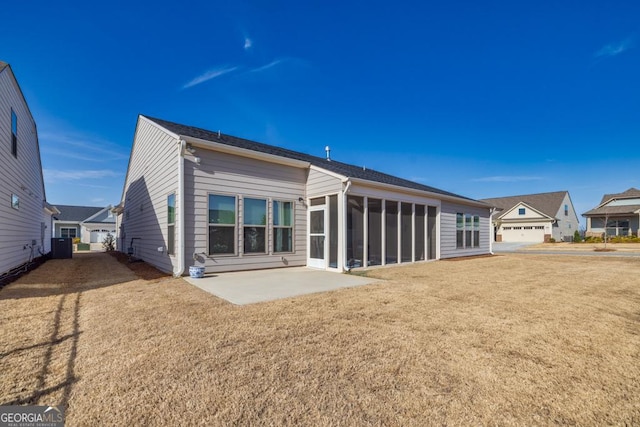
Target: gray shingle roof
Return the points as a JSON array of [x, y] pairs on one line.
[[76, 213], [344, 169], [616, 210], [3, 65], [547, 203], [630, 193], [612, 210]]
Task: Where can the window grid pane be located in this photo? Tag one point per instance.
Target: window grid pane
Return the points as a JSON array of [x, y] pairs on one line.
[[222, 209]]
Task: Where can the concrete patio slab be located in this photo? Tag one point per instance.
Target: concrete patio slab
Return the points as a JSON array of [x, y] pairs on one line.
[[249, 287]]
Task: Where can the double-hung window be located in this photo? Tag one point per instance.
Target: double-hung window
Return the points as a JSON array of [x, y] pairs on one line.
[[255, 225], [68, 232], [468, 231], [14, 134], [222, 225], [459, 230], [476, 231], [171, 224], [282, 226]]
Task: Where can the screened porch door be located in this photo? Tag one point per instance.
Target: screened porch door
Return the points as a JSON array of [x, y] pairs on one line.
[[317, 237]]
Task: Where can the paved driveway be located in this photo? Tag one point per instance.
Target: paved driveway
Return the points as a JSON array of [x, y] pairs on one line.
[[511, 246], [248, 287]]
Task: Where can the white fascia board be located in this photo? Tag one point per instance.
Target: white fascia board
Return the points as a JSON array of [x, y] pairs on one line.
[[165, 130], [96, 214], [51, 210], [437, 196], [243, 152], [330, 173], [527, 206]]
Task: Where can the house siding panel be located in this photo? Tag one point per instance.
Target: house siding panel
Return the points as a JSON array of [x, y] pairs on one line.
[[566, 225], [448, 230], [22, 176], [151, 177], [322, 184], [222, 173]]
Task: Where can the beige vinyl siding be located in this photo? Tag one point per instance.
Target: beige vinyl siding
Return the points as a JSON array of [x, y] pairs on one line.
[[227, 174], [151, 177], [21, 176], [448, 230], [320, 183]]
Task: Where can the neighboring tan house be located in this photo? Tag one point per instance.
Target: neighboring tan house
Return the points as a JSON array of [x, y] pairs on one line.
[[534, 217], [90, 224], [621, 212], [196, 197], [25, 215]]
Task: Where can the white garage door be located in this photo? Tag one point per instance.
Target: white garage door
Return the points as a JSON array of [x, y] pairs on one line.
[[523, 234], [98, 236]]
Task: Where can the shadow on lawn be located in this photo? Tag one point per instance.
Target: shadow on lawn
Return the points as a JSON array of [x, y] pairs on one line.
[[41, 390], [81, 273]]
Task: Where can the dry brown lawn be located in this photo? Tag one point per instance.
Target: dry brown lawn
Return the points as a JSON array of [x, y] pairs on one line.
[[584, 247], [505, 340]]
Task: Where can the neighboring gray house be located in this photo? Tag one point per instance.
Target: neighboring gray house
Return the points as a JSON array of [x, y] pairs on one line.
[[621, 212], [25, 215], [233, 204], [534, 217], [90, 224]]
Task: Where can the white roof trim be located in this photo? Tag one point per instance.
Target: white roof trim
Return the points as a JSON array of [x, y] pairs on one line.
[[527, 206], [431, 194], [328, 172], [244, 152], [96, 214]]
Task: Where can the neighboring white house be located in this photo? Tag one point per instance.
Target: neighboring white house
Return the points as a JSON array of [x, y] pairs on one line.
[[90, 224], [25, 215], [193, 196], [534, 217], [621, 211]]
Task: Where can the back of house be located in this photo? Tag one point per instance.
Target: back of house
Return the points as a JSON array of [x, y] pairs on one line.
[[199, 197]]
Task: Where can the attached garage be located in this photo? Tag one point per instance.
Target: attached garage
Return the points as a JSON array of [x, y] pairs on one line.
[[523, 234], [98, 235]]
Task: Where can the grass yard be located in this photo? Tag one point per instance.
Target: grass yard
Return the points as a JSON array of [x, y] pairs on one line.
[[505, 340]]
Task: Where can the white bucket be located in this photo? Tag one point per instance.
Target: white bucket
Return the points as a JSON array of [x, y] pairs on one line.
[[196, 272]]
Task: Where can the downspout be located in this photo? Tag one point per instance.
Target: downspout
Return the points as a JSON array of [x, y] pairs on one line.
[[179, 270], [345, 204], [492, 229]]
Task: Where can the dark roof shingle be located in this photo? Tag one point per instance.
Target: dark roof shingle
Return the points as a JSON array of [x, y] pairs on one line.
[[630, 193], [547, 203], [76, 213], [345, 169]]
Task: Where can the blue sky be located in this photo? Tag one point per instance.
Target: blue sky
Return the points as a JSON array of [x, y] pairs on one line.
[[484, 99]]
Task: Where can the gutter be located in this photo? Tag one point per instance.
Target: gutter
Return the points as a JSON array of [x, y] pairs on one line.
[[179, 270], [347, 185], [407, 190], [244, 152]]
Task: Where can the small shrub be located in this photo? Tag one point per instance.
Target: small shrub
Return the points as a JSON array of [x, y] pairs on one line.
[[624, 239], [109, 243], [552, 240], [76, 240], [576, 237]]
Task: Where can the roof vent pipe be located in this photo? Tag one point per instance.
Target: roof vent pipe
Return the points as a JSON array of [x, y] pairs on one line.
[[328, 150]]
